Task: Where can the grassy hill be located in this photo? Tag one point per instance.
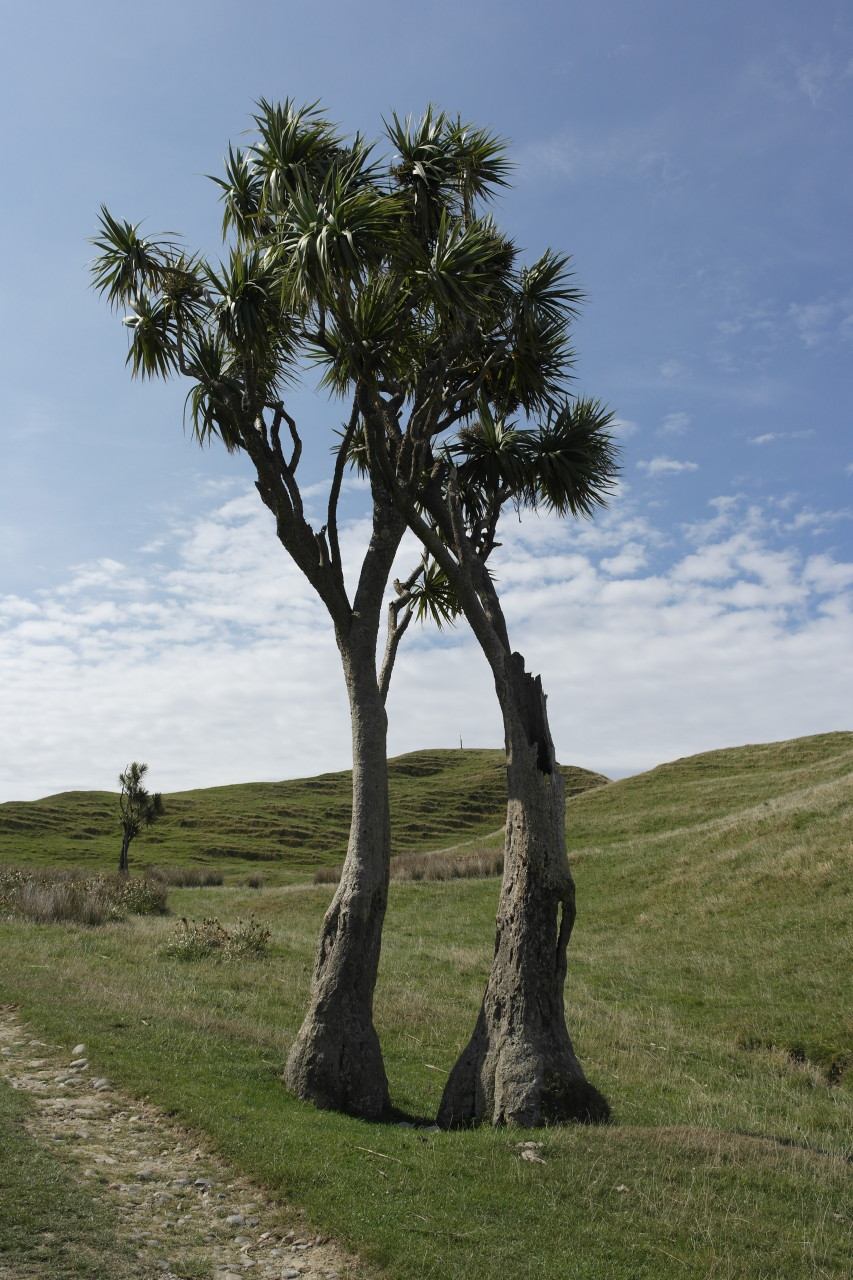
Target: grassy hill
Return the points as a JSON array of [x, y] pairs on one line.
[[437, 798], [709, 997]]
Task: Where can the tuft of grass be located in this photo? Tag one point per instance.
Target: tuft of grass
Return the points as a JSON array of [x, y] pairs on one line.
[[195, 941], [51, 897]]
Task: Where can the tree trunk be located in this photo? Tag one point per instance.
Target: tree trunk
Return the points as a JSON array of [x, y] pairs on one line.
[[336, 1061], [124, 862], [519, 1067]]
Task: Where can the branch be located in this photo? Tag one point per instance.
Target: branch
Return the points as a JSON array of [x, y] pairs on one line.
[[286, 469], [337, 481], [396, 627]]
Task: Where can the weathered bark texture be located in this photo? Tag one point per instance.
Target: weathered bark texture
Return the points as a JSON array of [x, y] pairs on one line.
[[336, 1061], [519, 1067]]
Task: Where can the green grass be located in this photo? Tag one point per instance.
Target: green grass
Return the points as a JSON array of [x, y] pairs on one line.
[[708, 996], [51, 1224], [284, 828]]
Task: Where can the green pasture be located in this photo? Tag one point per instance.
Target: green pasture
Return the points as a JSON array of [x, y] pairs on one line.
[[709, 996], [286, 828]]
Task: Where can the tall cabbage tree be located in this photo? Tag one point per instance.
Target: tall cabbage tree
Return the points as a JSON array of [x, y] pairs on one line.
[[395, 281], [306, 224]]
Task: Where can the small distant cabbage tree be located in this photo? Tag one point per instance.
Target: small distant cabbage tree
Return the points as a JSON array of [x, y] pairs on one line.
[[138, 809]]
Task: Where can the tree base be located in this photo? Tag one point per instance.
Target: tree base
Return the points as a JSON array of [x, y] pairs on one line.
[[520, 1083], [338, 1070]]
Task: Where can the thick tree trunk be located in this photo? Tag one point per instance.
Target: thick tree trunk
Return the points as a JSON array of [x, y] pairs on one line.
[[124, 861], [519, 1067], [336, 1062]]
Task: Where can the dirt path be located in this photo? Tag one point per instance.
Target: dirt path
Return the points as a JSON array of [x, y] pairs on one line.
[[182, 1208]]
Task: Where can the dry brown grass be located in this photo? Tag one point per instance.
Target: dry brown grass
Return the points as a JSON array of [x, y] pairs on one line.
[[185, 877], [477, 864], [54, 897]]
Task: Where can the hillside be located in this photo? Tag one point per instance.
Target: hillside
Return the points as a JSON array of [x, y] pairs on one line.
[[733, 871], [708, 997], [437, 798]]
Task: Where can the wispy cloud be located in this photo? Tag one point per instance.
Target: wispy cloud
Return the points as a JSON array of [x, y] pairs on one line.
[[674, 424], [639, 155], [769, 436], [663, 466]]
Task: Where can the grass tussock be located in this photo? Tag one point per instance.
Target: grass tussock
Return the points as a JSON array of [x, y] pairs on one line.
[[246, 940], [477, 864], [184, 877], [73, 896]]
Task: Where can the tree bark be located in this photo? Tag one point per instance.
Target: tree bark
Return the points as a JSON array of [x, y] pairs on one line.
[[124, 861], [336, 1061], [519, 1067]]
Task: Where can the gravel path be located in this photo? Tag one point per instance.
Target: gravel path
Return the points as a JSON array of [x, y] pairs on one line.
[[176, 1201]]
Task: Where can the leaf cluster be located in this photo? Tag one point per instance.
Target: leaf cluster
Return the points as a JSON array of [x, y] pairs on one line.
[[138, 807], [394, 280]]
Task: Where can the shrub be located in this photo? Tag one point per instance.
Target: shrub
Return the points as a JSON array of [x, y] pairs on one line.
[[254, 881], [192, 941], [53, 897]]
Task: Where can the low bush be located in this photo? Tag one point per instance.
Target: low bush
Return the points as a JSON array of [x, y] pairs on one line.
[[56, 897], [254, 881], [185, 877], [247, 940], [477, 865]]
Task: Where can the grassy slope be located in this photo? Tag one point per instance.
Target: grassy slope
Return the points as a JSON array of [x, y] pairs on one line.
[[437, 798], [709, 996]]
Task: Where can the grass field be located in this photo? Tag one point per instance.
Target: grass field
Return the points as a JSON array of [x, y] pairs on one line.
[[709, 996], [288, 828]]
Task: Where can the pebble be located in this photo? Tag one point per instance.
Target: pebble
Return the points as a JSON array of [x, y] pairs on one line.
[[235, 1220], [78, 1051], [76, 1063]]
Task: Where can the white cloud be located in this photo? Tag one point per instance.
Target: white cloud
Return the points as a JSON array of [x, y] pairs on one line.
[[672, 369], [637, 154], [765, 439], [675, 424], [664, 466], [812, 321], [624, 427], [218, 663]]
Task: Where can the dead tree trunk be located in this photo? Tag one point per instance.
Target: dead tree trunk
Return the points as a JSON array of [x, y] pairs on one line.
[[336, 1061], [519, 1067]]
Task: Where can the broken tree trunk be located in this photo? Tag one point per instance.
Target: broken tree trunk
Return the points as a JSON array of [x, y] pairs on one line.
[[519, 1067]]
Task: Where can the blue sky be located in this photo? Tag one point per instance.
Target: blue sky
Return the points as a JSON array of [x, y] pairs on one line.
[[694, 160]]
